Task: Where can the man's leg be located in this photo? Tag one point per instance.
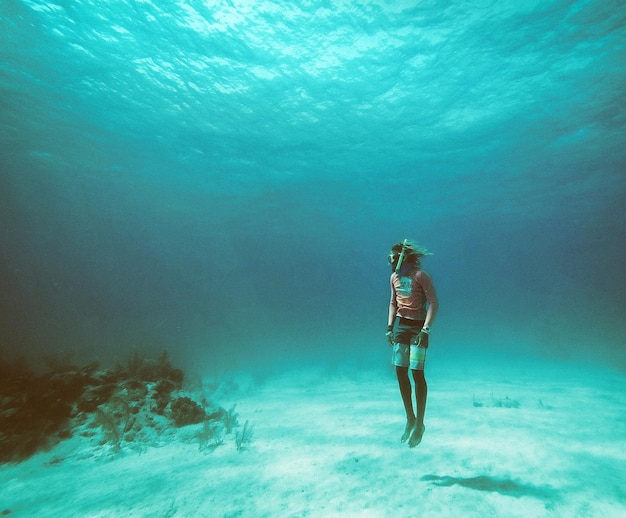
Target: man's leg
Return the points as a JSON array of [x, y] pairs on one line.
[[421, 393], [402, 373]]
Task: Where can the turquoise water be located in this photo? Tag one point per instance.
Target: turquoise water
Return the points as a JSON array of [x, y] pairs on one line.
[[224, 179]]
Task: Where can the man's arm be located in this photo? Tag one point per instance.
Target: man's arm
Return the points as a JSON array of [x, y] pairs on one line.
[[393, 305], [431, 296]]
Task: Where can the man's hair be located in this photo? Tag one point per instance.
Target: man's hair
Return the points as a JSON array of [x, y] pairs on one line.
[[413, 253]]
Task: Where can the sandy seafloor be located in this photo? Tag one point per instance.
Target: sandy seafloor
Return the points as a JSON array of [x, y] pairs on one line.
[[505, 439]]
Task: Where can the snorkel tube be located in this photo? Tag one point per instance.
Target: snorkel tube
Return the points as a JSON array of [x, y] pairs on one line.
[[401, 256], [390, 327]]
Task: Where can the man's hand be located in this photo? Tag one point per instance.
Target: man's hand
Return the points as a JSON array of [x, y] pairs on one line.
[[390, 338], [421, 340]]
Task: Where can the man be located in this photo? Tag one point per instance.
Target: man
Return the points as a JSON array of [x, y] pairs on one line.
[[412, 311]]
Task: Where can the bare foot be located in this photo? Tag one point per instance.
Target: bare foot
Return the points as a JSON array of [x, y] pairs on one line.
[[410, 424], [416, 436]]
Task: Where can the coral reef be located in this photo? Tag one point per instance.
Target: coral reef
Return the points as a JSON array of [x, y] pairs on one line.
[[35, 409], [137, 405]]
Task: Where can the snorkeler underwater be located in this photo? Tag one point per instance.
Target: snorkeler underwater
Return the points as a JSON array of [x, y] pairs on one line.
[[341, 258]]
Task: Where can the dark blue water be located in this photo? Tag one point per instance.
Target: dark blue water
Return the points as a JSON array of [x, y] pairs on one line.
[[224, 179]]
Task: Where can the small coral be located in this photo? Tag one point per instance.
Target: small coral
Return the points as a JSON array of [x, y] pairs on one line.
[[185, 411], [211, 436], [244, 437], [95, 395], [114, 418], [162, 395], [148, 370], [229, 417]]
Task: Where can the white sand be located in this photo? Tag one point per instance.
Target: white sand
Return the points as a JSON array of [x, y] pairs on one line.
[[507, 441]]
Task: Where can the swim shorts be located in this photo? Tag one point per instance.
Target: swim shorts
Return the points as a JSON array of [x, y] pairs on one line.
[[405, 355]]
